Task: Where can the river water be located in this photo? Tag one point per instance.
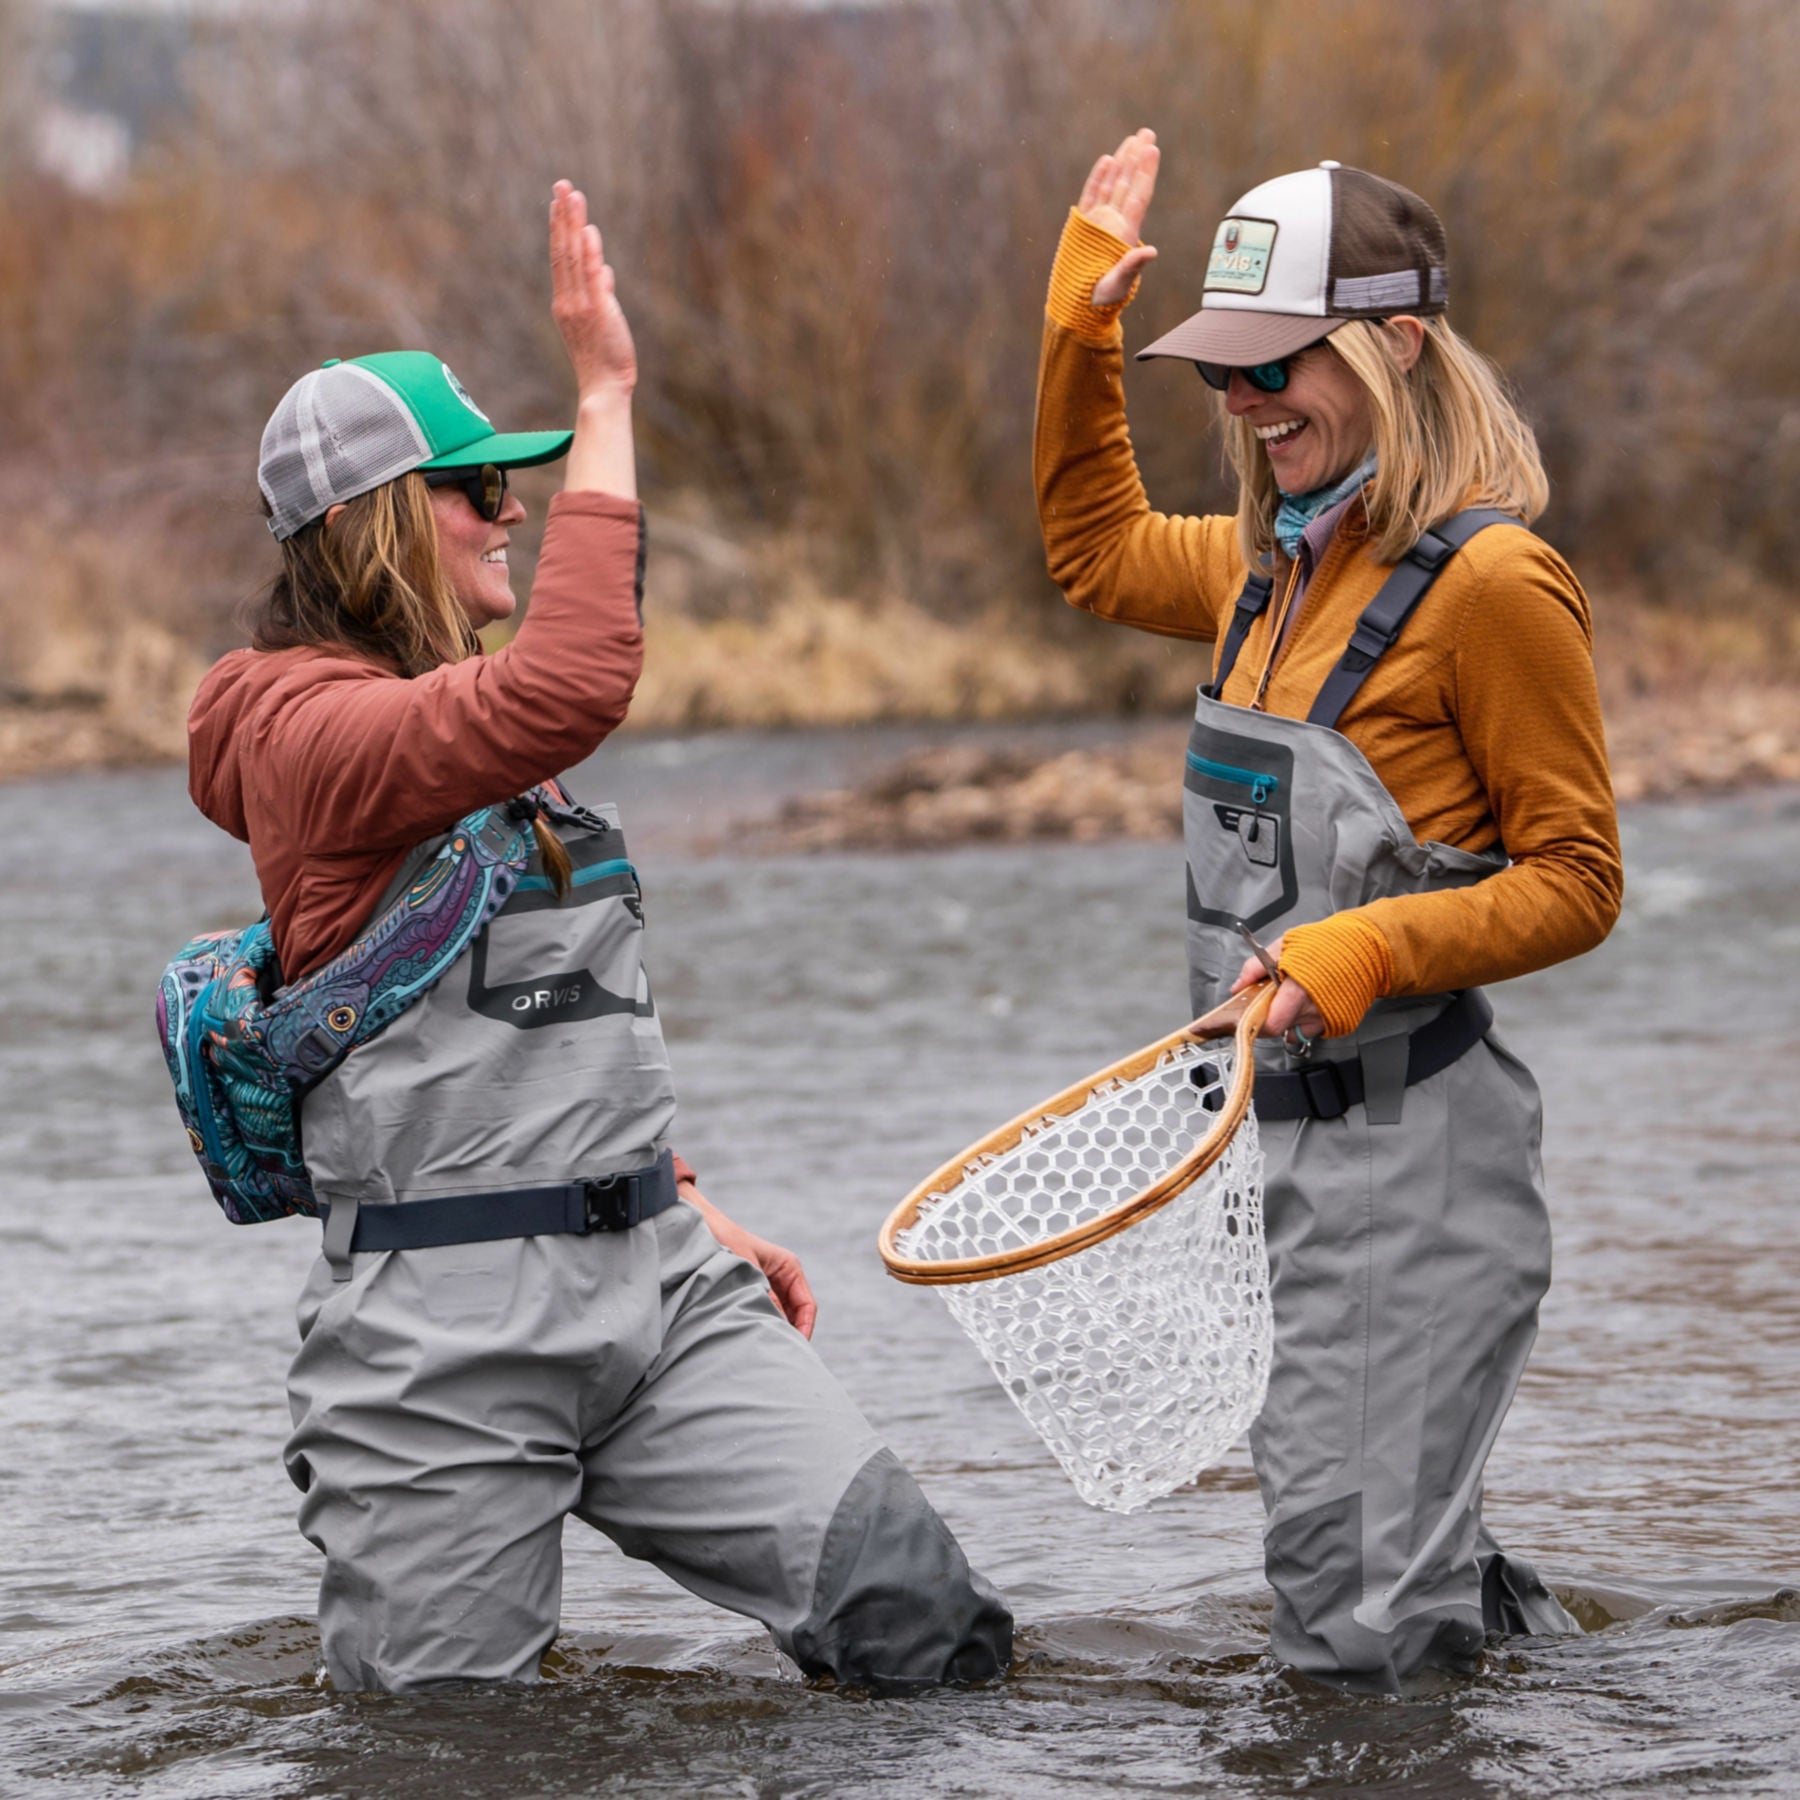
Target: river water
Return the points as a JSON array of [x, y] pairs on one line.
[[838, 1026]]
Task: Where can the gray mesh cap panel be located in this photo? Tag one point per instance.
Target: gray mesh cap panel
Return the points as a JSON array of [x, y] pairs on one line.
[[337, 433]]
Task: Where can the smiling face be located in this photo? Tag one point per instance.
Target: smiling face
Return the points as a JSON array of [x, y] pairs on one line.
[[1317, 429], [472, 554]]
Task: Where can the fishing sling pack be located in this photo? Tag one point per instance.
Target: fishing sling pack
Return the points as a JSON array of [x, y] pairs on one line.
[[244, 1051]]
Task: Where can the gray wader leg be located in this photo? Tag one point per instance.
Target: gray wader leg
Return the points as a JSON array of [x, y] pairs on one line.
[[741, 1469], [1407, 1260], [437, 1401], [452, 1405]]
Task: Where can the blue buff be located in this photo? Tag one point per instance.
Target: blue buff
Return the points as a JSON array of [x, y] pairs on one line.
[[1297, 511]]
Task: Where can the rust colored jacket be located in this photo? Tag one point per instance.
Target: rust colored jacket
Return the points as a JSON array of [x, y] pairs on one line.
[[1483, 721], [331, 767]]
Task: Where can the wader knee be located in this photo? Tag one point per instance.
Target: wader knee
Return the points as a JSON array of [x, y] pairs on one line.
[[895, 1604]]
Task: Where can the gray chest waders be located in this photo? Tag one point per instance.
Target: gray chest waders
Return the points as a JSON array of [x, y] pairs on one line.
[[537, 1063], [1408, 1235], [514, 1321]]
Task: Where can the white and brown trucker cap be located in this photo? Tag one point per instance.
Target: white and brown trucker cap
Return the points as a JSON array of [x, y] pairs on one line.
[[1303, 250]]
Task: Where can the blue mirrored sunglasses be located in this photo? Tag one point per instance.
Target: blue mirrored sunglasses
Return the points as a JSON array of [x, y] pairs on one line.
[[1266, 378]]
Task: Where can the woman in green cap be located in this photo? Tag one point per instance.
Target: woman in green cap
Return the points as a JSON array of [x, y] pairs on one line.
[[524, 1309]]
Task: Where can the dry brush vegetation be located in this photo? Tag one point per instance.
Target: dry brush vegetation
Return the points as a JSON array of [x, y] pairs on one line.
[[832, 228]]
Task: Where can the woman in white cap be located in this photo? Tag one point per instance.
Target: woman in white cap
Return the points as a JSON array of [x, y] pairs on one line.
[[524, 1307], [1397, 777]]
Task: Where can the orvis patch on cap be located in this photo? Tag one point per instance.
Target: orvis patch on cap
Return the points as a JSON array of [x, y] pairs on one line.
[[1240, 256], [1303, 250]]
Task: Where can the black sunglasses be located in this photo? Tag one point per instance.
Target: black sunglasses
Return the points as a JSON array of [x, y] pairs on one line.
[[486, 486], [1266, 378]]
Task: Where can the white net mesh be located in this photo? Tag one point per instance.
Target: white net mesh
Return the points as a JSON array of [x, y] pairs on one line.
[[1143, 1358]]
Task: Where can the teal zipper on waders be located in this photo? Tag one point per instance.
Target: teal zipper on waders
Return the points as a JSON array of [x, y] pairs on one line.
[[1260, 786], [580, 878]]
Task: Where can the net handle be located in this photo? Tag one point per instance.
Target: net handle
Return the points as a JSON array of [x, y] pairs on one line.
[[1240, 1018]]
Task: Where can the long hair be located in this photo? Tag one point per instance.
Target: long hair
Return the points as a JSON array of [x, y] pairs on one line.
[[1447, 435], [371, 583]]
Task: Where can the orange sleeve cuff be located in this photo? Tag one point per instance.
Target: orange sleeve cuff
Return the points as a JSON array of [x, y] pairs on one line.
[[1087, 251], [1344, 963]]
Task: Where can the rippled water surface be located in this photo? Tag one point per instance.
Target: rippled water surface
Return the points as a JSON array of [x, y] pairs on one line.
[[838, 1026]]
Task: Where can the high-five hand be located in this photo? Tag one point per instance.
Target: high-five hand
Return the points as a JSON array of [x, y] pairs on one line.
[[594, 331], [583, 301], [1116, 196]]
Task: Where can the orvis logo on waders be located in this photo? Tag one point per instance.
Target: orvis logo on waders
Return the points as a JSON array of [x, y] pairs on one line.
[[549, 999], [552, 982]]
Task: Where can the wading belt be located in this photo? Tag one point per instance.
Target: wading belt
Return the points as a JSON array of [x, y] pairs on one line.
[[1328, 1090], [611, 1203]]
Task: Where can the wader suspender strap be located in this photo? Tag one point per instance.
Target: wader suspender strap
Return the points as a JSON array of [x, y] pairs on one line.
[[1385, 616], [1250, 604]]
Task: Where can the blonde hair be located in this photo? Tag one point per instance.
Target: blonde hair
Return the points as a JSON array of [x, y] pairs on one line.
[[1447, 435], [372, 583]]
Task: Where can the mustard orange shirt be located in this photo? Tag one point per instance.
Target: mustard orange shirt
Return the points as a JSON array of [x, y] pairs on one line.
[[1483, 721]]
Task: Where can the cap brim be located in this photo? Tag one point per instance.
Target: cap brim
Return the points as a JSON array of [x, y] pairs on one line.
[[1240, 339], [506, 450]]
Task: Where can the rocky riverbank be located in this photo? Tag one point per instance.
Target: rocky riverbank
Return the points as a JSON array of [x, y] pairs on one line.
[[1717, 738]]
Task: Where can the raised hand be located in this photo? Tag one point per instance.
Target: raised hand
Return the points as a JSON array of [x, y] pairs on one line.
[[1116, 197], [587, 313], [583, 301]]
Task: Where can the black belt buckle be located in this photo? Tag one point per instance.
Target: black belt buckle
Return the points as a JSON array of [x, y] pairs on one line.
[[613, 1204], [1323, 1085]]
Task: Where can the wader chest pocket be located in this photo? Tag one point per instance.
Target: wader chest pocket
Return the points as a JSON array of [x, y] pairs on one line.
[[1238, 809], [552, 995]]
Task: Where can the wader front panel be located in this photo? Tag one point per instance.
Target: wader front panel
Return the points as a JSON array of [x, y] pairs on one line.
[[538, 1058]]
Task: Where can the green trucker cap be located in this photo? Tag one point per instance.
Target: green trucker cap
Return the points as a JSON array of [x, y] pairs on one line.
[[351, 426]]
